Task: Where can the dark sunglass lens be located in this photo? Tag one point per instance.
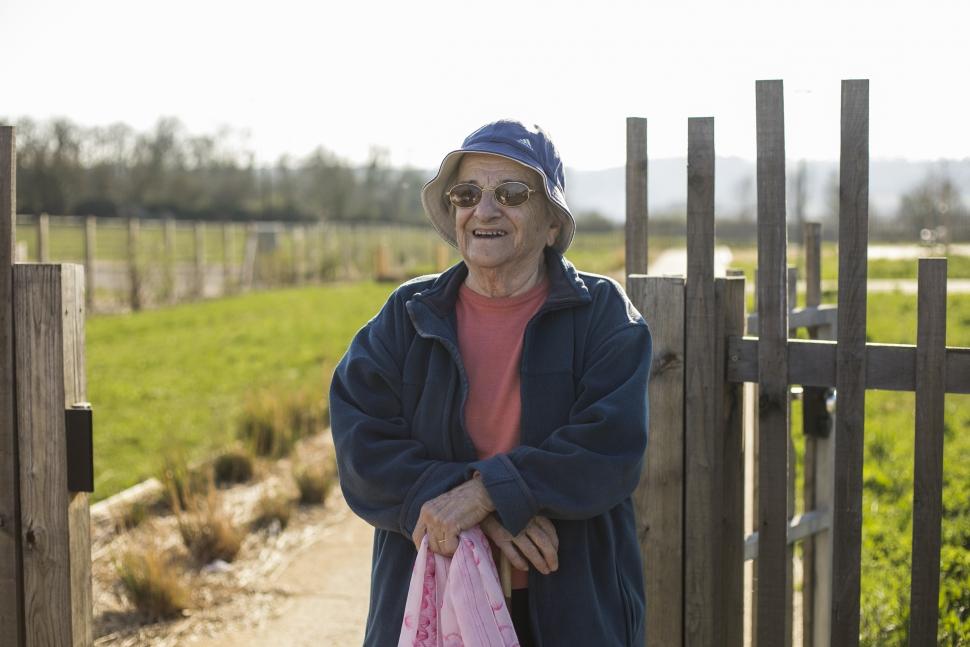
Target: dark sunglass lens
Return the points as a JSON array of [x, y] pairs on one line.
[[512, 194], [465, 195]]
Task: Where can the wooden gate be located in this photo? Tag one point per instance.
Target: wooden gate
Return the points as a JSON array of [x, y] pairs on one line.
[[45, 544], [690, 503]]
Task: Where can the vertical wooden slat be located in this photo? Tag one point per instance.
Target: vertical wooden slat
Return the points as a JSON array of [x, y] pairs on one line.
[[199, 229], [56, 525], [636, 196], [658, 499], [813, 403], [851, 362], [822, 573], [792, 476], [171, 262], [227, 256], [701, 464], [90, 253], [134, 276], [299, 253], [772, 365], [43, 238], [928, 472], [11, 584], [729, 299]]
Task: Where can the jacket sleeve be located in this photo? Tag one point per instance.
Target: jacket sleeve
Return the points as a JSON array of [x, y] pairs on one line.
[[385, 474], [592, 463]]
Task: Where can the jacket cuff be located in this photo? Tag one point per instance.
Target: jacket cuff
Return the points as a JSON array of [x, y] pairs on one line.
[[437, 479], [514, 503]]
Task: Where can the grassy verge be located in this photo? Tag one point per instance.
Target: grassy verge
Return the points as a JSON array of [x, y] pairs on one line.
[[172, 381]]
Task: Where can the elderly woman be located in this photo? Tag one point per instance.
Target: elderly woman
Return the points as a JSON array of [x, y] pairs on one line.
[[510, 392]]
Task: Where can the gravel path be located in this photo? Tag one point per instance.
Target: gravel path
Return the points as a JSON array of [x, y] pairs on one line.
[[329, 581]]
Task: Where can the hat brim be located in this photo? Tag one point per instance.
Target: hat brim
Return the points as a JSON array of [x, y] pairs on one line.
[[438, 207]]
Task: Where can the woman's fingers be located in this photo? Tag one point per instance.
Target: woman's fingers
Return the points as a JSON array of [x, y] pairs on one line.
[[503, 539], [544, 543], [549, 528]]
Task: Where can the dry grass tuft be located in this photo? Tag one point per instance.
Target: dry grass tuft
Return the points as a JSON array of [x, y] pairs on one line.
[[272, 508], [232, 466], [273, 420], [315, 481], [153, 587]]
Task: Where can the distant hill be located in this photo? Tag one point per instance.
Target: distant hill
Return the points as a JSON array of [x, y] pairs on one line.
[[734, 190]]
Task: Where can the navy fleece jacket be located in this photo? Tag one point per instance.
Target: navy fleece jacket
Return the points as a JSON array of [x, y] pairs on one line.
[[396, 412]]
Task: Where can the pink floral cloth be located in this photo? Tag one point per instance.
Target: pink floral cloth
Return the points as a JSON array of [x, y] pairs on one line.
[[457, 601]]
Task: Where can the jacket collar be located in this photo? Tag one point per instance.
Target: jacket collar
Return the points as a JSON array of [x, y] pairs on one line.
[[566, 288]]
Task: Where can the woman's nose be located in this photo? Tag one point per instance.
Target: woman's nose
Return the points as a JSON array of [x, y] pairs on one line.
[[488, 206]]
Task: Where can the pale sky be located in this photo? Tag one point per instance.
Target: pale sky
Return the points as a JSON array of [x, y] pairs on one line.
[[416, 77]]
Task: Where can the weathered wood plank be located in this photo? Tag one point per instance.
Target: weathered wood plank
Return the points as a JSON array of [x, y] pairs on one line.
[[807, 317], [43, 238], [800, 528], [813, 407], [658, 499], [198, 288], [56, 529], [792, 476], [134, 272], [171, 260], [928, 472], [851, 362], [90, 253], [729, 300], [701, 518], [889, 367], [773, 359], [228, 245], [636, 196], [11, 601]]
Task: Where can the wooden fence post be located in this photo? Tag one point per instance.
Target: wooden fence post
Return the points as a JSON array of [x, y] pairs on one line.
[[702, 548], [851, 363], [56, 534], [227, 256], [90, 253], [658, 499], [928, 461], [171, 262], [43, 238], [11, 556], [636, 196], [792, 478], [813, 409], [729, 307], [247, 272], [773, 396], [199, 288], [134, 276]]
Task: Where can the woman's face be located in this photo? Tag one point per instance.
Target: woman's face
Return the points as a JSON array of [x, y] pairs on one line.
[[494, 236]]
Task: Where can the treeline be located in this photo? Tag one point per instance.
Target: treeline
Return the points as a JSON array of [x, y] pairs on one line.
[[64, 168]]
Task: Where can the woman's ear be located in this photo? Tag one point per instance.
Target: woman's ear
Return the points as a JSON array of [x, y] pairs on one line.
[[555, 226]]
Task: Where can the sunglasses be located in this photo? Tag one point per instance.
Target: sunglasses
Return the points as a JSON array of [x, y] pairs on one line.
[[509, 194]]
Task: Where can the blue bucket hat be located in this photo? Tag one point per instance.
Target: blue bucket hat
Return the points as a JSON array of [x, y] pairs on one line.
[[530, 147]]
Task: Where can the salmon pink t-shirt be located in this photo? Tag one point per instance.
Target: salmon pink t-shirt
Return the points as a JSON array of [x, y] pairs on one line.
[[490, 334]]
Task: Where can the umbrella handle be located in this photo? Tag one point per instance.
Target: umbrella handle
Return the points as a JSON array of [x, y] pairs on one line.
[[505, 575]]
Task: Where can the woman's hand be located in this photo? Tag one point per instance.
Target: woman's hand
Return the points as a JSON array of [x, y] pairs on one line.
[[538, 543], [445, 516]]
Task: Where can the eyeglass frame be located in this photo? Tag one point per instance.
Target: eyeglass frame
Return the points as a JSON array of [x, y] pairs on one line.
[[483, 189]]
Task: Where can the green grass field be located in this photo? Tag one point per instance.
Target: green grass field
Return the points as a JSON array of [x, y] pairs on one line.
[[171, 381]]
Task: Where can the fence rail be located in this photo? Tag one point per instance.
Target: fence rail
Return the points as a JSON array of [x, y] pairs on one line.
[[136, 263]]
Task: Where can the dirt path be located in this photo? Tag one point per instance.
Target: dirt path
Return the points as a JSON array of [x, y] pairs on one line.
[[329, 582]]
